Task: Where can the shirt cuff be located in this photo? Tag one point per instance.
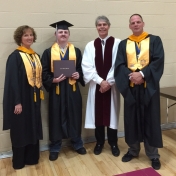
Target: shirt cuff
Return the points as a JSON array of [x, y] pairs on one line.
[[141, 73]]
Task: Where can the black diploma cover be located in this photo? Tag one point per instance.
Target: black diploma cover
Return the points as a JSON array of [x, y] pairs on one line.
[[65, 67]]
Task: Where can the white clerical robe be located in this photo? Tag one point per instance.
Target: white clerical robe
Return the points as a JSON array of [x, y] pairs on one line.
[[91, 76]]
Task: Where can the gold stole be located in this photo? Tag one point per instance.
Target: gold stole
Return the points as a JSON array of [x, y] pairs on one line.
[[55, 55], [143, 59], [33, 80]]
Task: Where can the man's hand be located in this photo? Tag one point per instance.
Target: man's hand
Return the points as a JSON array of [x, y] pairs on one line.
[[59, 79], [136, 78], [75, 75], [104, 86], [18, 109]]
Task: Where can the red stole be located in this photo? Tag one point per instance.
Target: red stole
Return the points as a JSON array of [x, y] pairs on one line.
[[103, 100]]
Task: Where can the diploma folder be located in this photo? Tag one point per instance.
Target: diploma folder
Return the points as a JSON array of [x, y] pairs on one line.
[[65, 67]]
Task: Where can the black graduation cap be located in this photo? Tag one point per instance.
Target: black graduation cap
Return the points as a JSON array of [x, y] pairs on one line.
[[61, 25]]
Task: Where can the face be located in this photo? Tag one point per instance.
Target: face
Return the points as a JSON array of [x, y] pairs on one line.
[[27, 38], [136, 25], [62, 35], [102, 28]]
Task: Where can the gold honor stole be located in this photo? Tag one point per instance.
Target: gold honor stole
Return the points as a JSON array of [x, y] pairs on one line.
[[33, 80], [142, 61], [55, 55]]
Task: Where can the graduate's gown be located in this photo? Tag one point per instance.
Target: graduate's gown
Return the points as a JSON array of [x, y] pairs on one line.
[[25, 128], [65, 109], [141, 105]]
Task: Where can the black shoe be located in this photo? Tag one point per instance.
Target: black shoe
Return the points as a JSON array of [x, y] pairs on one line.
[[127, 157], [81, 151], [156, 163], [115, 150], [98, 149], [53, 156]]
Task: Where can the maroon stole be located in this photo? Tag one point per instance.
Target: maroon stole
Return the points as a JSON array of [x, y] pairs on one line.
[[103, 100]]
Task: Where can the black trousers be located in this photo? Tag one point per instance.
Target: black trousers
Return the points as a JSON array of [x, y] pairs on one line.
[[27, 155], [100, 135]]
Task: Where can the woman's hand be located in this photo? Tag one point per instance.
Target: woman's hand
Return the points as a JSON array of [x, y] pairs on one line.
[[75, 75], [18, 109], [59, 79]]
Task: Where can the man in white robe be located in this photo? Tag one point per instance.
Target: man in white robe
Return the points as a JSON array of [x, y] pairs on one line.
[[103, 97]]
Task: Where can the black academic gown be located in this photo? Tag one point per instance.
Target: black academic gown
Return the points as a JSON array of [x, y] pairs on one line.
[[141, 105], [25, 128], [65, 109]]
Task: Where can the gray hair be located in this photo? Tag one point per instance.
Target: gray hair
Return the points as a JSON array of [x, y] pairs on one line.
[[102, 18]]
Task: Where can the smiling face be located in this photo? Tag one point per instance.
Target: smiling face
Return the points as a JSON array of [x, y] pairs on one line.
[[102, 28], [136, 25], [27, 38], [62, 36]]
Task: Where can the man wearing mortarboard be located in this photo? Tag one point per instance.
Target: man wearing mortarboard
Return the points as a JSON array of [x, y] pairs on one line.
[[65, 101]]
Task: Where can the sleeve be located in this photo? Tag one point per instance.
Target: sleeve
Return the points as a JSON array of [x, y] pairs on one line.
[[11, 96], [155, 68], [78, 66], [88, 65], [12, 79], [121, 73], [153, 72], [47, 75]]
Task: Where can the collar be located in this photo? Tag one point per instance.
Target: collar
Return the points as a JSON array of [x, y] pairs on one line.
[[29, 51], [104, 39], [63, 48], [138, 38]]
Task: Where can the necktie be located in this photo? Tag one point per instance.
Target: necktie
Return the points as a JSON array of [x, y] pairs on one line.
[[102, 41]]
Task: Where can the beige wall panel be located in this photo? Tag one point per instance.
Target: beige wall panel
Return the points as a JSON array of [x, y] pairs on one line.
[[1, 98], [84, 90], [2, 78], [6, 35], [44, 118], [172, 112], [6, 49], [168, 69], [5, 144], [167, 81], [1, 112], [174, 73], [153, 20], [163, 110], [155, 31], [83, 34], [169, 21], [170, 57], [121, 124], [2, 66], [86, 133], [1, 124], [169, 45], [169, 8], [169, 33], [119, 21], [115, 32], [45, 140]]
